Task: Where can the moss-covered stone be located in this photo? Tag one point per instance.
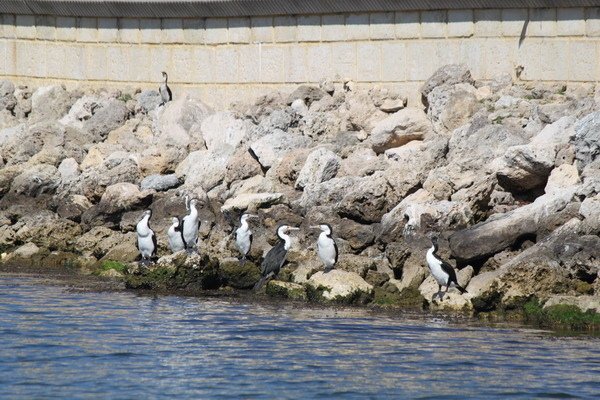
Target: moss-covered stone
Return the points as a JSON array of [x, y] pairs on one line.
[[287, 290], [238, 275], [562, 316], [408, 298]]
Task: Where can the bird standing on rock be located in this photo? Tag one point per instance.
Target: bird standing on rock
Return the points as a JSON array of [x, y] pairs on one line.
[[175, 234], [275, 258], [243, 236], [326, 247], [442, 271], [189, 226], [164, 90], [146, 239]]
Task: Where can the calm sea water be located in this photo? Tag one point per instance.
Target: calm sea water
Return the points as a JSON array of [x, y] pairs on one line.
[[60, 343]]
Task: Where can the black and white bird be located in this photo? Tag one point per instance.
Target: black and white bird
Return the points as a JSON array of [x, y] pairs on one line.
[[275, 258], [189, 225], [146, 239], [442, 271], [326, 247], [175, 235], [164, 90], [243, 236]]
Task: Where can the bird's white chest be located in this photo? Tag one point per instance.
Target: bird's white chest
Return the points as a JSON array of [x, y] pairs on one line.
[[242, 239], [326, 250], [175, 240], [435, 266]]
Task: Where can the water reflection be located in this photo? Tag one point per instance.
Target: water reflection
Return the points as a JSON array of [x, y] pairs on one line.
[[55, 343]]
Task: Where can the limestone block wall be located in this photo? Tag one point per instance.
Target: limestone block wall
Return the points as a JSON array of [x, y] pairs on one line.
[[225, 59]]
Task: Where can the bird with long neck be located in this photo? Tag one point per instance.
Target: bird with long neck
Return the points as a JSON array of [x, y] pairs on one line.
[[326, 247], [164, 90], [443, 272], [146, 239], [175, 235], [190, 224], [243, 236], [276, 257]]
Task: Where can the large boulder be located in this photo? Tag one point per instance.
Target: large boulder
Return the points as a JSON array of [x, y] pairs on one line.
[[106, 118], [147, 101], [503, 230], [123, 196], [450, 74], [320, 166], [203, 168], [35, 180], [8, 101], [50, 103], [400, 128], [587, 139], [222, 131], [160, 182], [526, 167], [251, 201], [451, 106], [269, 148], [340, 286], [178, 119]]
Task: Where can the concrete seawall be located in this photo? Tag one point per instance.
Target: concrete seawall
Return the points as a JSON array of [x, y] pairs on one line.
[[228, 58]]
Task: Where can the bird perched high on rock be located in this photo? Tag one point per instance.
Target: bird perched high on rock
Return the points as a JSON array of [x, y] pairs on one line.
[[164, 90], [276, 257], [442, 271], [146, 239], [326, 247]]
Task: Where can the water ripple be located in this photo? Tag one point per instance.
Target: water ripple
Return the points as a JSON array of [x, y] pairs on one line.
[[59, 343]]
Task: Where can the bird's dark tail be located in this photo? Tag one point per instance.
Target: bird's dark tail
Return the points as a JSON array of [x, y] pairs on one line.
[[462, 289], [262, 281]]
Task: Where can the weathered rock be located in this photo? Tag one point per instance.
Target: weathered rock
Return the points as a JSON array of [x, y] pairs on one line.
[[203, 168], [123, 196], [72, 207], [271, 147], [587, 139], [320, 166], [50, 103], [361, 162], [147, 101], [450, 74], [251, 201], [453, 299], [107, 118], [526, 167], [36, 180], [68, 170], [584, 303], [306, 93], [451, 106], [160, 182], [178, 119], [222, 131], [286, 290], [340, 286], [393, 105], [27, 250], [502, 231], [8, 101], [400, 128], [238, 275], [562, 177], [46, 230], [241, 165], [287, 169]]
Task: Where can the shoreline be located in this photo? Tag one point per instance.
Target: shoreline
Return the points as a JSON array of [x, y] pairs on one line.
[[75, 279]]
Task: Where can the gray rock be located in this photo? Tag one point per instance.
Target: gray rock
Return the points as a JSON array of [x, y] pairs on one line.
[[392, 105], [451, 106], [450, 74], [69, 170], [222, 131], [306, 93], [587, 139], [8, 101], [276, 120], [502, 231], [251, 201], [36, 180], [340, 285], [147, 101], [400, 128], [562, 177], [107, 118], [160, 182], [526, 167], [272, 147], [320, 166], [203, 168], [50, 103]]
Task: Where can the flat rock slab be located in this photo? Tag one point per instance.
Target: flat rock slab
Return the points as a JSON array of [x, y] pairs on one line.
[[339, 285]]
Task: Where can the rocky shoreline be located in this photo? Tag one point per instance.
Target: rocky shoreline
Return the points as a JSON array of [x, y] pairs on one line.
[[506, 173]]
